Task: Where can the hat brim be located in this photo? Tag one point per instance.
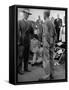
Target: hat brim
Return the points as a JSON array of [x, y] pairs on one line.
[[27, 12]]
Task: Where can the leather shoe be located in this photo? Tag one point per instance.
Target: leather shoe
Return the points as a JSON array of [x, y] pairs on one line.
[[21, 72], [27, 71], [51, 77]]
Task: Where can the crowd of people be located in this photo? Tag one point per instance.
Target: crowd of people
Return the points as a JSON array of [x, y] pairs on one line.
[[37, 40]]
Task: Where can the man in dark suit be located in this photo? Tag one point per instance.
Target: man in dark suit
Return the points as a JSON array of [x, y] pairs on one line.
[[25, 31], [58, 24]]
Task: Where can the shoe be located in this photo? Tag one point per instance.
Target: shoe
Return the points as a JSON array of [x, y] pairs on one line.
[[51, 77], [40, 64], [27, 71], [47, 77], [21, 72], [33, 64], [29, 62], [43, 79]]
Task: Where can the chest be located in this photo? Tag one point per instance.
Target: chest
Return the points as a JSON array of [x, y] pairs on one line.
[[24, 26]]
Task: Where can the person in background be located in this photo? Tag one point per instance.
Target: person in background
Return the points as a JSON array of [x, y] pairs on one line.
[[48, 38], [62, 31], [58, 24], [52, 19], [39, 23], [25, 31], [34, 47]]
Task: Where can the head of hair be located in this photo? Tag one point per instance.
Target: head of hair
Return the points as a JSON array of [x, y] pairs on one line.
[[47, 13]]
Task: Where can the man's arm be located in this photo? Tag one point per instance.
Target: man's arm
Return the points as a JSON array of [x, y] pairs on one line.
[[19, 32], [55, 35], [46, 35], [61, 22], [28, 34], [55, 22]]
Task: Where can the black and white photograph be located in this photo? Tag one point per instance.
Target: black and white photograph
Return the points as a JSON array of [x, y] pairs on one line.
[[34, 44], [41, 45]]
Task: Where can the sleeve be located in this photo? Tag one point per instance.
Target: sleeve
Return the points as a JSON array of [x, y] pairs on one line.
[[45, 29], [55, 35], [29, 32], [46, 35], [60, 35], [61, 22], [19, 32], [55, 22]]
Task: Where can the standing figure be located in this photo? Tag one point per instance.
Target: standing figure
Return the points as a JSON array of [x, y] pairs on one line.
[[39, 23], [58, 24], [62, 31], [25, 30], [52, 19], [49, 36]]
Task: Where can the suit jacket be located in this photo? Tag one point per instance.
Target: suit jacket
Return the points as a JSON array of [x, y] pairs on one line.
[[58, 23], [24, 31], [49, 33]]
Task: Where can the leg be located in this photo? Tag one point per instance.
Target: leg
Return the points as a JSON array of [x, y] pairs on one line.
[[51, 63], [20, 60], [46, 64], [58, 33], [26, 57], [34, 58]]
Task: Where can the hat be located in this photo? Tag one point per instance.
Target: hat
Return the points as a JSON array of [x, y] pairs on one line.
[[27, 11]]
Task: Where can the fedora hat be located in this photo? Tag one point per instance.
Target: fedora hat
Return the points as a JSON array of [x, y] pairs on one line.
[[27, 11]]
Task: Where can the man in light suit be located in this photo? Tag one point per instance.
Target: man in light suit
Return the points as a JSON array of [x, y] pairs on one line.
[[58, 24], [25, 30], [49, 35]]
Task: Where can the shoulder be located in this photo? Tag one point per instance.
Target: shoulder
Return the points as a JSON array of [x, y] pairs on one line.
[[60, 19], [21, 21], [55, 20]]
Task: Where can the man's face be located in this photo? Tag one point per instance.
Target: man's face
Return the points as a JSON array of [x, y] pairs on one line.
[[26, 15]]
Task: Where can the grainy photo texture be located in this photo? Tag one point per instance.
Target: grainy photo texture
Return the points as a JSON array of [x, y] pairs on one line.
[[41, 45]]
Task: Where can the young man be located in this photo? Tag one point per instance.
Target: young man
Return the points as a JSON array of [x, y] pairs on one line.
[[48, 45]]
